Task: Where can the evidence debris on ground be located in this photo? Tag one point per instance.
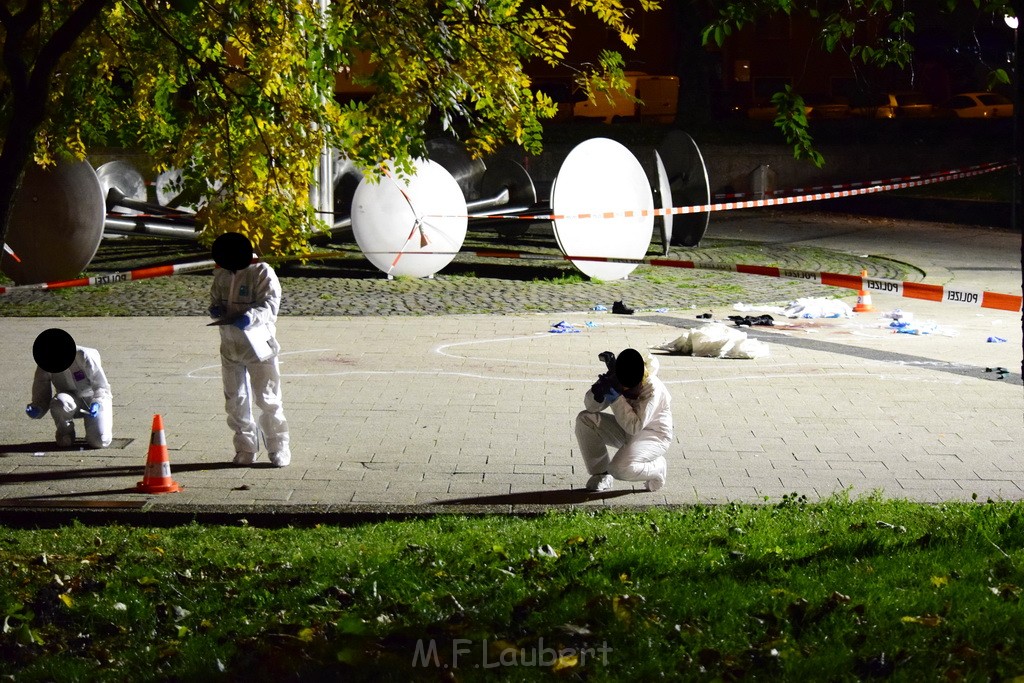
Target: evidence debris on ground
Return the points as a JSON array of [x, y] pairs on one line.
[[715, 340]]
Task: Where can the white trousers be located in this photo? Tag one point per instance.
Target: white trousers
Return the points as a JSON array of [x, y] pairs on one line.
[[637, 458], [64, 408], [256, 382]]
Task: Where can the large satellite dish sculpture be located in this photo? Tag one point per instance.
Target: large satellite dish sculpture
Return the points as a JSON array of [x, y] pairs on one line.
[[663, 200], [598, 177], [413, 225], [56, 223], [122, 183], [601, 198], [686, 182]]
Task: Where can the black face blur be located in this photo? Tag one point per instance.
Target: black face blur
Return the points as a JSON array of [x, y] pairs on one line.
[[232, 251], [54, 350]]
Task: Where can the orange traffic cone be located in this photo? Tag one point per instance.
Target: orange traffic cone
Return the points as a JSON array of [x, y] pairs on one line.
[[157, 478], [863, 298]]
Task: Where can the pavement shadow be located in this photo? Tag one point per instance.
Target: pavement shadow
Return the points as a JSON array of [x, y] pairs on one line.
[[561, 497], [51, 447], [70, 473], [95, 472], [43, 497]]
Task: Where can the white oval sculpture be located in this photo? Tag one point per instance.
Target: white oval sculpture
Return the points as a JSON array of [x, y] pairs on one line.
[[599, 177], [410, 226]]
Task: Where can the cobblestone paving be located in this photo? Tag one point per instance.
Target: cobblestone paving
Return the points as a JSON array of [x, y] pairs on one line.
[[347, 284]]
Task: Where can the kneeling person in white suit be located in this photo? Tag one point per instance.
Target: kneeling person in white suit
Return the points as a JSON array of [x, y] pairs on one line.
[[69, 383], [639, 425]]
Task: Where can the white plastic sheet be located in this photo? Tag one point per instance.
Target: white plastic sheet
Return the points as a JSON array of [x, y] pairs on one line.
[[716, 340]]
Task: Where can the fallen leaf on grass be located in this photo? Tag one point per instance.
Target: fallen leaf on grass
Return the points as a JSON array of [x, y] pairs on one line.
[[1007, 591], [565, 662], [929, 620]]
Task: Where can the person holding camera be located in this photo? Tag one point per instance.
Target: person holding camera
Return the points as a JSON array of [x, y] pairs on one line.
[[637, 424]]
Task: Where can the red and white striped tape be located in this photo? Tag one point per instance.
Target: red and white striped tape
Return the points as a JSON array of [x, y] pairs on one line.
[[11, 252], [932, 177], [871, 188], [912, 290], [110, 278]]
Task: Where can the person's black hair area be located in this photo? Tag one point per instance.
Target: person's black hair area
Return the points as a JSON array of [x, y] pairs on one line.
[[54, 350], [232, 251], [629, 368]]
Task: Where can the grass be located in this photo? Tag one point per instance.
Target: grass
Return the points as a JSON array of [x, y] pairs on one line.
[[566, 278], [838, 590]]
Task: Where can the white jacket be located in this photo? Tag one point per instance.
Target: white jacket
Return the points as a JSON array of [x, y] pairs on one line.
[[254, 290], [649, 414], [84, 380]]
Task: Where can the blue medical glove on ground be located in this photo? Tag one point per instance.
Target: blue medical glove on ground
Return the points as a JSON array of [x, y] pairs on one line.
[[94, 409], [243, 322], [217, 311], [33, 412]]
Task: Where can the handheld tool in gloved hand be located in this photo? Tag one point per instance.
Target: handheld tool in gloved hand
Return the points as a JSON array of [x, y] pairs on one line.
[[605, 383]]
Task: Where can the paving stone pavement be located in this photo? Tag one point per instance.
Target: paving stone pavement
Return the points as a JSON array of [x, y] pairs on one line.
[[465, 413]]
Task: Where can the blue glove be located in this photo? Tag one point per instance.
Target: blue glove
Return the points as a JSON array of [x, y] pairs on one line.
[[612, 394], [33, 412], [243, 322], [94, 409], [217, 311], [601, 387]]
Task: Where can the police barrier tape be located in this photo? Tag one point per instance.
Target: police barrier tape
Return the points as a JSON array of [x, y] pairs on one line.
[[111, 278], [941, 176], [931, 176], [912, 290]]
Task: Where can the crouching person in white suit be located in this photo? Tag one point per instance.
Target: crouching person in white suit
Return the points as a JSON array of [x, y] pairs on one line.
[[70, 384], [638, 426]]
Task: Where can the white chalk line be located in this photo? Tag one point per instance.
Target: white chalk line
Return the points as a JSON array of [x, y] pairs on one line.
[[214, 370]]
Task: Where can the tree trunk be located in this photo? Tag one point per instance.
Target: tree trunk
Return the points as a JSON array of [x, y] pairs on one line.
[[30, 86]]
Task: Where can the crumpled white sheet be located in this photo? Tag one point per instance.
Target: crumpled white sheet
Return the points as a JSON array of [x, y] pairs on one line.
[[716, 340], [806, 307]]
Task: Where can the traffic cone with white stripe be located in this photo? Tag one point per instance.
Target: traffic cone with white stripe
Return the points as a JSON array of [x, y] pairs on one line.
[[863, 298], [157, 478]]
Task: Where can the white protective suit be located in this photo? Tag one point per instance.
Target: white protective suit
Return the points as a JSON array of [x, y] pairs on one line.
[[68, 395], [640, 429], [249, 358]]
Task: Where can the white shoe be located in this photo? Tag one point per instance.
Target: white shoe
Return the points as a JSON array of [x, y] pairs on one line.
[[245, 458], [654, 483], [600, 482], [280, 458]]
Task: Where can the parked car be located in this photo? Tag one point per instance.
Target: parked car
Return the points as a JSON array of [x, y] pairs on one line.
[[980, 105], [892, 105], [765, 110], [826, 107]]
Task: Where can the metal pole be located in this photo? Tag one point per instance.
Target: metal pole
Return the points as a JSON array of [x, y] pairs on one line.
[[325, 169], [1018, 178]]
